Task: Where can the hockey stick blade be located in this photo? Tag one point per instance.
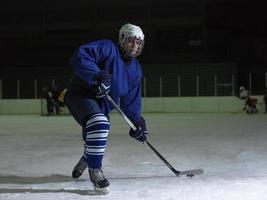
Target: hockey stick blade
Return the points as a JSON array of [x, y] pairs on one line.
[[190, 173]]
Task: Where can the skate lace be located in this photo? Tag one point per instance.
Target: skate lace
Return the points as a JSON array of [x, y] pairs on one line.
[[96, 175]]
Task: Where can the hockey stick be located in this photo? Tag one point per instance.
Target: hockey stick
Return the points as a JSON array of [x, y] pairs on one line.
[[176, 172]]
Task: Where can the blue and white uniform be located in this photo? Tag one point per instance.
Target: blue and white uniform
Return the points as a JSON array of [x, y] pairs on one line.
[[91, 113]]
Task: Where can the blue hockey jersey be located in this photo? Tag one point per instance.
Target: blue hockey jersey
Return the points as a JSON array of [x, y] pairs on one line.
[[90, 58]]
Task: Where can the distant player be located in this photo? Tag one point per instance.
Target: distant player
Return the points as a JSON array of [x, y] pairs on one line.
[[50, 101], [103, 67], [251, 105], [243, 93]]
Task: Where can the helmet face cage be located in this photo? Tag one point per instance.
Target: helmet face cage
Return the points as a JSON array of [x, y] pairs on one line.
[[131, 33], [127, 50]]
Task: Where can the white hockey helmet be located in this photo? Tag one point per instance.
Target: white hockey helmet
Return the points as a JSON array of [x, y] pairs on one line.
[[129, 32]]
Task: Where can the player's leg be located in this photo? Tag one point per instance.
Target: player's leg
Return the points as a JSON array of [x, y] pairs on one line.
[[247, 109], [50, 108], [95, 131], [95, 136], [80, 108]]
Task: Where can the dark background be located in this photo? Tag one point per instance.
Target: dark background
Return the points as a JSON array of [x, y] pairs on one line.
[[37, 38]]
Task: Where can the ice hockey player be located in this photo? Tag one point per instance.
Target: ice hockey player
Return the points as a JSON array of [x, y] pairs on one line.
[[103, 67], [243, 93], [50, 102], [251, 105]]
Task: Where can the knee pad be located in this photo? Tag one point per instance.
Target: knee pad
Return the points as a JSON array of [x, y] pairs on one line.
[[95, 134]]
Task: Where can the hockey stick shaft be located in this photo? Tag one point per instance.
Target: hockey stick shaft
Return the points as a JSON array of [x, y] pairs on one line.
[[163, 159], [134, 128], [121, 112]]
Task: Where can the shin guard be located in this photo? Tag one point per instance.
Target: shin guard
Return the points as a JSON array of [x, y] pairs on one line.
[[95, 136]]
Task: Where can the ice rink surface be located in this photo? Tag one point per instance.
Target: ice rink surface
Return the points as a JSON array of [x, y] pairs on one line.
[[38, 154]]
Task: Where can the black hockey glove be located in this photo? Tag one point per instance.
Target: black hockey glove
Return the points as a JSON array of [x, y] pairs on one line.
[[141, 133], [103, 84]]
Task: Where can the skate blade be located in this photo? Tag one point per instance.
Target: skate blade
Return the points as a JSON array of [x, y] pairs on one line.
[[101, 191]]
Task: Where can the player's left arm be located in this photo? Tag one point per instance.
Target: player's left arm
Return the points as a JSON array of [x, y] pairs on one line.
[[131, 105]]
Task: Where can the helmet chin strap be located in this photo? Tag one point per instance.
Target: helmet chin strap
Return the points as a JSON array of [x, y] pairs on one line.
[[127, 52], [125, 57]]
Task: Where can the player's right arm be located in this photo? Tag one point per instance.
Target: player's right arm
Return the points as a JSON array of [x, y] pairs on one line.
[[87, 59]]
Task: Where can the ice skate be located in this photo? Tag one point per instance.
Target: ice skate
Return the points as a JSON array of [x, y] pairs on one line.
[[79, 168], [99, 181]]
